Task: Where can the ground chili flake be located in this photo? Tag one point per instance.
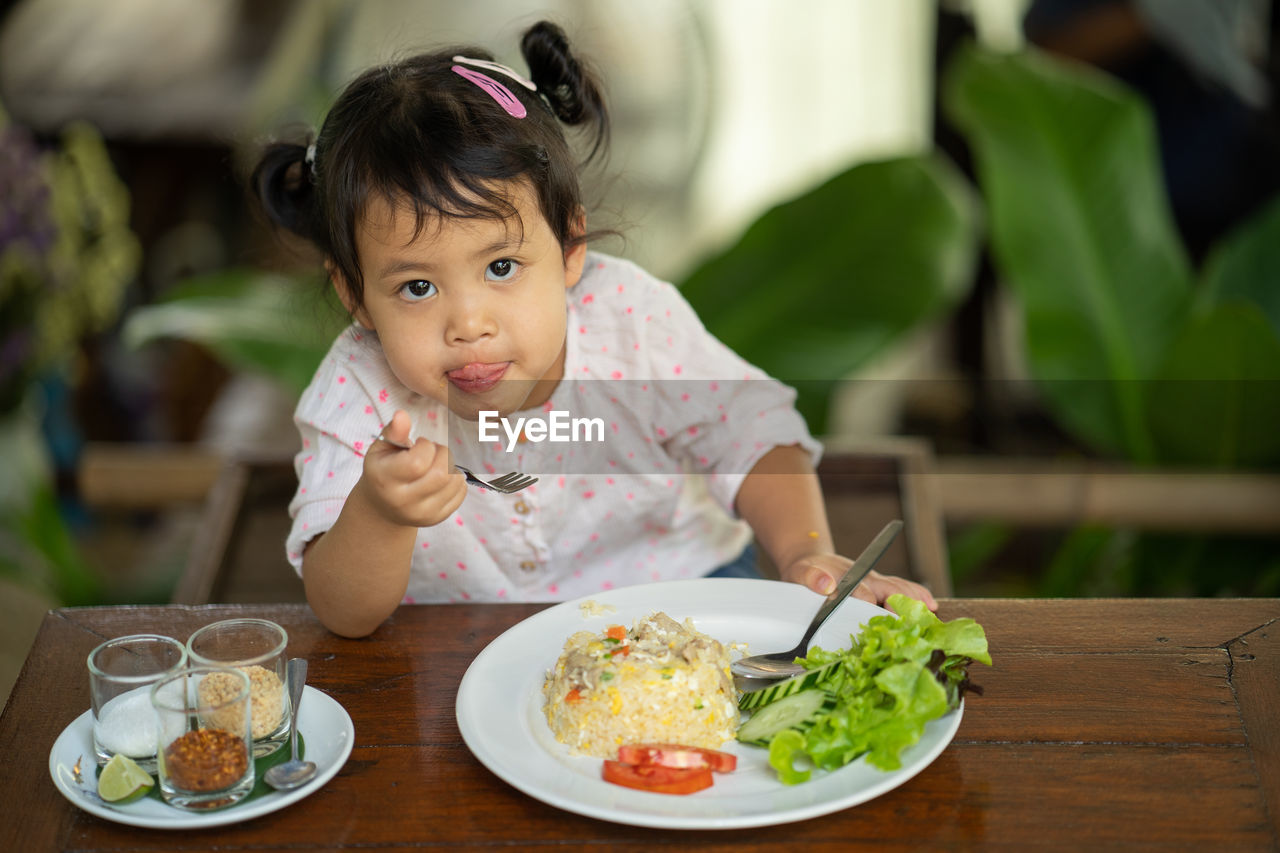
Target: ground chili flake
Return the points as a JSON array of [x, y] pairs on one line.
[[206, 760]]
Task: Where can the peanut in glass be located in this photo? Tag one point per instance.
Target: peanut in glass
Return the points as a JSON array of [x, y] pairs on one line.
[[256, 647]]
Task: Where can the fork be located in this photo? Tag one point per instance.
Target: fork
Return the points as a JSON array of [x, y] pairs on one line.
[[506, 484]]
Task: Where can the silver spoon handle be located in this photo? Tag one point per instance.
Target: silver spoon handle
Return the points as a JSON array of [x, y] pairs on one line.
[[296, 673], [865, 563]]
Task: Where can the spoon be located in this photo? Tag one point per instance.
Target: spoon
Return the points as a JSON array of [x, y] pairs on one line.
[[782, 664], [293, 772]]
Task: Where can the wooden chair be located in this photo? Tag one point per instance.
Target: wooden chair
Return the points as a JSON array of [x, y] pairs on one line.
[[237, 555], [238, 506]]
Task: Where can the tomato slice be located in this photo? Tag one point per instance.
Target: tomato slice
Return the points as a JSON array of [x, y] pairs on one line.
[[656, 778], [677, 755]]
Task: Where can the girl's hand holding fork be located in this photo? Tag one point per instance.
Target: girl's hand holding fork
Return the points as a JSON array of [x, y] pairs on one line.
[[412, 485], [356, 574]]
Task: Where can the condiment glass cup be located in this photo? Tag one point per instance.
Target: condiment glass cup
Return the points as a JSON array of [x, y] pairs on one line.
[[205, 746], [121, 673], [257, 647]]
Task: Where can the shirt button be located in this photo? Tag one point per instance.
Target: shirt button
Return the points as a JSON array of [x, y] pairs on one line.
[[528, 565], [521, 507]]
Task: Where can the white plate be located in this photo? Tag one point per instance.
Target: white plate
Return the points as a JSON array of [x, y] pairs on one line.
[[322, 722], [499, 710]]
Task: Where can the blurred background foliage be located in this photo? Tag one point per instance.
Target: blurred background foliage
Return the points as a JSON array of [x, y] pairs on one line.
[[1136, 355], [1046, 216], [823, 284], [66, 256], [273, 324]]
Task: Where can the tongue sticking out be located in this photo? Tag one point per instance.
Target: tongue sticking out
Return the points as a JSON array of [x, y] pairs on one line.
[[475, 371], [476, 376]]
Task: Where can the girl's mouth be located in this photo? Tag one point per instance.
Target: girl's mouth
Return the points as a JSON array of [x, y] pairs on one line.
[[477, 378]]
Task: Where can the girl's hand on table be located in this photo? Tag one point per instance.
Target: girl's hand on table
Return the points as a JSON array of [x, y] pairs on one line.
[[820, 572], [412, 486]]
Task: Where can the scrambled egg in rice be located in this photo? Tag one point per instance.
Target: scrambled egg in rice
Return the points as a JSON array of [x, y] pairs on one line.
[[659, 682]]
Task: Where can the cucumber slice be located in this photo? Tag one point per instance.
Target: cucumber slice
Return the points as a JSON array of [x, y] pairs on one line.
[[798, 711], [786, 687]]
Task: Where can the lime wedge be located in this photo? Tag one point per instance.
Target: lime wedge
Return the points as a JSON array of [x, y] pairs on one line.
[[123, 781]]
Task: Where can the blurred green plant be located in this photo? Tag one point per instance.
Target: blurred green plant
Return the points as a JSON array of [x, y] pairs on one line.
[[271, 324], [821, 284], [1133, 354], [66, 256]]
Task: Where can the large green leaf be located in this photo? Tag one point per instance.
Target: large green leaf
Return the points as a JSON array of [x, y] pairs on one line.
[[1081, 231], [1216, 402], [820, 284], [270, 324], [1246, 266]]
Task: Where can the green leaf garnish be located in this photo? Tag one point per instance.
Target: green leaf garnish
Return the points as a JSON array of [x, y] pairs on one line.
[[900, 672]]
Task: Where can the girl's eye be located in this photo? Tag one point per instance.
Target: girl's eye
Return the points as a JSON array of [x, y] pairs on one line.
[[502, 270], [416, 291]]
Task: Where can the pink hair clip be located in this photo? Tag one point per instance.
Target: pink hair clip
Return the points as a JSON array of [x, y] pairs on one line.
[[497, 68], [500, 93]]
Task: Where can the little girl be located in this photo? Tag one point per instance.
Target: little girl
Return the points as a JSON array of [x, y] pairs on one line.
[[443, 194]]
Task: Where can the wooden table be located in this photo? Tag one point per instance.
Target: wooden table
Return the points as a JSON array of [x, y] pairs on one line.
[[1106, 724]]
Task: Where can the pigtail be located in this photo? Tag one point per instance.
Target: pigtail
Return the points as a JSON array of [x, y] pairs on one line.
[[284, 184], [569, 87]]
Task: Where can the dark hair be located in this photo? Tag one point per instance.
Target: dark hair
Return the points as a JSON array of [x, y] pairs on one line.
[[416, 131]]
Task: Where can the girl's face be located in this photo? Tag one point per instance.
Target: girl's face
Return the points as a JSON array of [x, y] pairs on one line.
[[470, 312]]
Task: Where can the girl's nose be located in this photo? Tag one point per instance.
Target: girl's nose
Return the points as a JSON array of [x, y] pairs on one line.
[[471, 319]]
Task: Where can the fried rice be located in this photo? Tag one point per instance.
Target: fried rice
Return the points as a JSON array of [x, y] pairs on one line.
[[661, 681]]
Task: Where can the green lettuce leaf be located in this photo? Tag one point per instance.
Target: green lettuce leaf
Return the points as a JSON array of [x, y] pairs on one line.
[[783, 751], [901, 671]]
